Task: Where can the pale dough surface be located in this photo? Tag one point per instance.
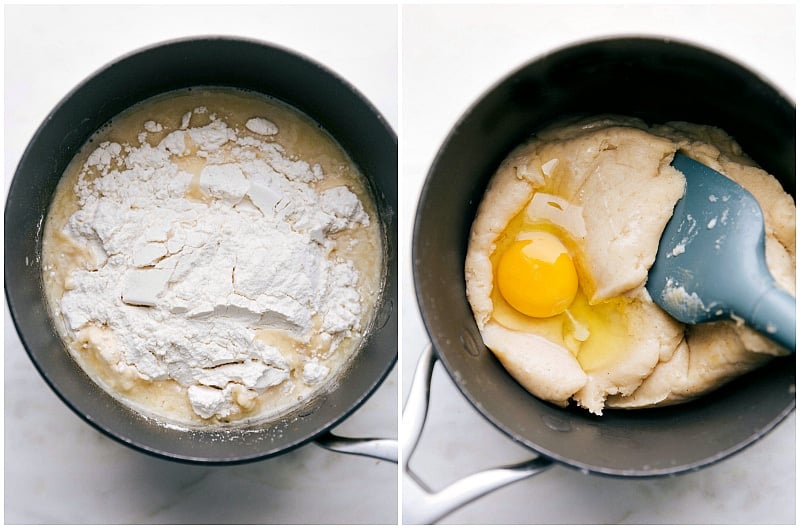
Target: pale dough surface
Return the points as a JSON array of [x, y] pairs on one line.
[[617, 172]]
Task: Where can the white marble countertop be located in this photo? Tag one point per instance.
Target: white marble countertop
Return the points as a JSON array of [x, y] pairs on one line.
[[58, 469], [450, 56]]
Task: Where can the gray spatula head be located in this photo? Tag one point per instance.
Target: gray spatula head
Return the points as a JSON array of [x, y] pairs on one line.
[[710, 263]]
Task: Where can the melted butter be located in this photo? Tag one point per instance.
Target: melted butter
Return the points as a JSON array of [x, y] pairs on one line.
[[606, 322], [193, 166], [97, 347]]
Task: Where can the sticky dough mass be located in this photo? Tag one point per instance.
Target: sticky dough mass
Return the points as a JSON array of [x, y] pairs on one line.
[[606, 188]]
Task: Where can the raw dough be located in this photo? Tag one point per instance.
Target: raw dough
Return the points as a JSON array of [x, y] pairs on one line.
[[611, 181]]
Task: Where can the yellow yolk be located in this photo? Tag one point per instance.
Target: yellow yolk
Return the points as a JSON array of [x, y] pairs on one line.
[[597, 334], [536, 276]]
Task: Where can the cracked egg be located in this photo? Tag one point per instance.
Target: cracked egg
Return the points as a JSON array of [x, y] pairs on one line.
[[558, 258]]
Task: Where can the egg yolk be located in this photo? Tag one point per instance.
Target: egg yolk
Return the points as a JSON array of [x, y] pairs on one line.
[[536, 276]]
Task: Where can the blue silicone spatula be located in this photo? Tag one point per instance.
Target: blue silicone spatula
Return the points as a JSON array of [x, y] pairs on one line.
[[711, 263]]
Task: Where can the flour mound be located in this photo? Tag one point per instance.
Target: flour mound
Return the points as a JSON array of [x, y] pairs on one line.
[[187, 269]]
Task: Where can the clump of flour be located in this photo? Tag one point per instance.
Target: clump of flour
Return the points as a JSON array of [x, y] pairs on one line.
[[180, 287]]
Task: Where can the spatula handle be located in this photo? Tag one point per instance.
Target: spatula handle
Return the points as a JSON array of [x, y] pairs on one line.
[[775, 316]]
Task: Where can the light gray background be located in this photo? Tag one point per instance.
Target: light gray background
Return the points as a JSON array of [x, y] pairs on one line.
[[60, 470], [450, 56]]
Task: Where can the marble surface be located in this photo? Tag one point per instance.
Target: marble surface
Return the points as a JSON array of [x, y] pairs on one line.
[[450, 56], [57, 468]]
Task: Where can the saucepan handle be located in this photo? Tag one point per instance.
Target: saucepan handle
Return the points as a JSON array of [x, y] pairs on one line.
[[421, 505], [383, 449]]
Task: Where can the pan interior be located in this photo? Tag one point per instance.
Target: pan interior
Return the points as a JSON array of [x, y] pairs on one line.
[[249, 65], [657, 81]]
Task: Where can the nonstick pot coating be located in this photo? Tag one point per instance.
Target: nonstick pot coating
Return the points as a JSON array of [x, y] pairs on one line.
[[260, 67], [658, 81]]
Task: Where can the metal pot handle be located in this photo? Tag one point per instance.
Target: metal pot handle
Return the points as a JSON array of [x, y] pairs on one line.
[[421, 505], [383, 449]]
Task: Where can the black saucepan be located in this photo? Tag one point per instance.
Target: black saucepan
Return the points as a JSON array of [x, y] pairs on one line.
[[653, 79], [209, 61]]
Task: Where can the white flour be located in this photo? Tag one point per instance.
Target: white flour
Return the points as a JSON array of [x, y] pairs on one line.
[[180, 287]]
